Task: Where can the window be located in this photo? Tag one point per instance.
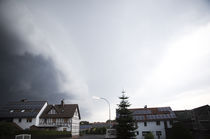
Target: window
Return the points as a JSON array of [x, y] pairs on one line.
[[145, 132], [64, 129], [11, 111], [22, 110], [170, 122], [52, 111], [157, 122], [165, 124], [65, 120], [158, 133], [53, 120], [29, 120], [45, 121], [145, 123], [137, 133], [19, 120]]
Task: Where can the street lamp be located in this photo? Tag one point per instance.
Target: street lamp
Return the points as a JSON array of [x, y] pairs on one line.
[[95, 97]]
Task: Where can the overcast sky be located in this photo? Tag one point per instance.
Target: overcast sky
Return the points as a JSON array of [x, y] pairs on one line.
[[159, 51]]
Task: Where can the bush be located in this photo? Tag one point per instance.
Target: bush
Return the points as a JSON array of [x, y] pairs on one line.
[[149, 136], [98, 130], [7, 129], [46, 133]]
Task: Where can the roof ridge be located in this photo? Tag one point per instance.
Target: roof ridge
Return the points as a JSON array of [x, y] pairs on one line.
[[24, 101], [148, 108], [60, 104]]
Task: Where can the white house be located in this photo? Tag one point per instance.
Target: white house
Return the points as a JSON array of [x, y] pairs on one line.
[[38, 114], [62, 117], [155, 120], [23, 113]]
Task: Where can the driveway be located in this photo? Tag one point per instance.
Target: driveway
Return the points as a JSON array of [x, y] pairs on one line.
[[92, 137], [88, 137]]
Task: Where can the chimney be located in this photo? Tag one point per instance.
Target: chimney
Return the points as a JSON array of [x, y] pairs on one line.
[[145, 106], [62, 102], [23, 100]]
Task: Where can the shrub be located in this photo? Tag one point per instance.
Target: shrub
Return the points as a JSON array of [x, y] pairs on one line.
[[149, 136], [46, 133], [96, 130], [8, 129]]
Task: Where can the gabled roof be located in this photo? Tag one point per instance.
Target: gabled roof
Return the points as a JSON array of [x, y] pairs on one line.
[[153, 114], [202, 108], [62, 111], [21, 109], [184, 115]]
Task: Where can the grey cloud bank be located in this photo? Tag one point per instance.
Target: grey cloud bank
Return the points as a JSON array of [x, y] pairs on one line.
[[157, 50]]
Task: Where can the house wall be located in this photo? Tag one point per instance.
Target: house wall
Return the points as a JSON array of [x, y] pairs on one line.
[[24, 124], [55, 121], [60, 123], [75, 124], [152, 127]]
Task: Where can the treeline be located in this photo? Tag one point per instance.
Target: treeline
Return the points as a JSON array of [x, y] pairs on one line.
[[95, 130]]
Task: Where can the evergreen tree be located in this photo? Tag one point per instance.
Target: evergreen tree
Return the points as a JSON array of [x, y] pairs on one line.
[[125, 124]]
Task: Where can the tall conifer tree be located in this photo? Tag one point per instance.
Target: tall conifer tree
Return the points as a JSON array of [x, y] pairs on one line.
[[125, 124]]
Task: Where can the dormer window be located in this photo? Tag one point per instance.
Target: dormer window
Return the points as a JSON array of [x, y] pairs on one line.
[[11, 111], [52, 111]]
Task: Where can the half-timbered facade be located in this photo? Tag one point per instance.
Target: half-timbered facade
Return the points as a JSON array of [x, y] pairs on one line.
[[62, 117]]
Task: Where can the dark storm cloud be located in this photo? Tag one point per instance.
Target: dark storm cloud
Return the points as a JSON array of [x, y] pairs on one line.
[[25, 75]]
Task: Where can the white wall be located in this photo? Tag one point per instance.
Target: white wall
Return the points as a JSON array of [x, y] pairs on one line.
[[40, 112], [75, 124], [24, 124], [152, 127]]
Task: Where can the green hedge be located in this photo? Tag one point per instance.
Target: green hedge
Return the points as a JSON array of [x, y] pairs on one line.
[[149, 136], [45, 133], [9, 130], [96, 130]]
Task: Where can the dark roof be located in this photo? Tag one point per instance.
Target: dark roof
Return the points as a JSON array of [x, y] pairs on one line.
[[62, 111], [153, 114], [21, 109], [196, 119], [184, 115], [205, 108]]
